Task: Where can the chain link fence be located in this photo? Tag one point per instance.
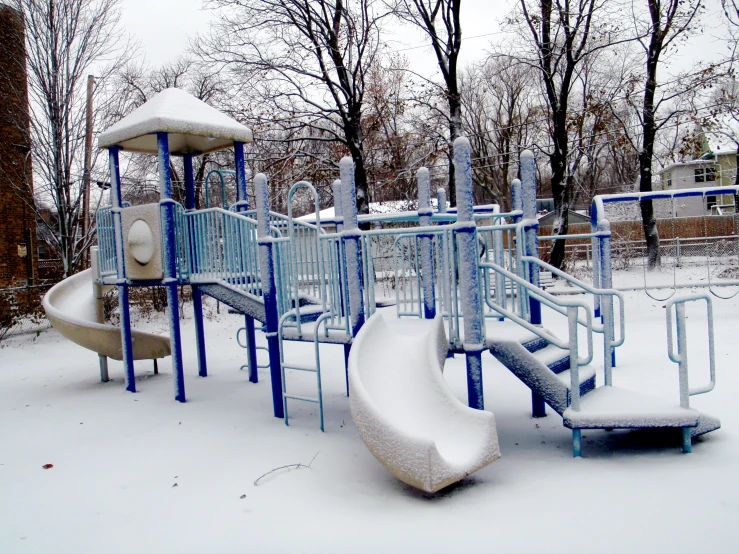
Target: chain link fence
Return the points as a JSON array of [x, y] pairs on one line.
[[21, 310]]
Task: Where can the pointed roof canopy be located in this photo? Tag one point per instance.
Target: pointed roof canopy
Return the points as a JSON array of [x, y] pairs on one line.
[[193, 126]]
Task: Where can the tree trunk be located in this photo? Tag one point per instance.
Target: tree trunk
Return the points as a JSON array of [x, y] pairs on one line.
[[455, 124], [561, 196]]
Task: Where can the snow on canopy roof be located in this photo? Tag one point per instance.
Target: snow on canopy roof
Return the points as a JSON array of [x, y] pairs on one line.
[[194, 127]]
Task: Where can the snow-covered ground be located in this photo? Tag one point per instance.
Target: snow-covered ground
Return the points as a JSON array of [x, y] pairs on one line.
[[143, 473]]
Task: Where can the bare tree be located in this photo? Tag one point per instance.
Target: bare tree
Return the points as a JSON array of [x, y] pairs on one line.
[[563, 34], [65, 40], [667, 23], [307, 60], [440, 21], [498, 112]]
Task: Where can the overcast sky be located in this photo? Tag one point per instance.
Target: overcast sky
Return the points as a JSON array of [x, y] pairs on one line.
[[163, 27]]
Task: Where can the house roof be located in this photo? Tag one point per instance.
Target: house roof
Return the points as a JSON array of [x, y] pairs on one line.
[[193, 126], [684, 164]]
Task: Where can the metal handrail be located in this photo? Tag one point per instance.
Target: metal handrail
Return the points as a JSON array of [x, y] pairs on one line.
[[590, 289], [681, 358], [548, 299]]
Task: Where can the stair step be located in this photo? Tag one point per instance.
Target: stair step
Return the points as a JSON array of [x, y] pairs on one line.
[[302, 398], [552, 355], [560, 365], [587, 381], [536, 344], [613, 407], [299, 368]]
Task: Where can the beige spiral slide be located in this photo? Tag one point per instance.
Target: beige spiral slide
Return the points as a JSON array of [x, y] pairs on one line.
[[404, 410], [74, 308]]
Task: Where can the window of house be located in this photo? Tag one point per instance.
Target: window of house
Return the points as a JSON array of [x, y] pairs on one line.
[[711, 201], [705, 174], [669, 183]]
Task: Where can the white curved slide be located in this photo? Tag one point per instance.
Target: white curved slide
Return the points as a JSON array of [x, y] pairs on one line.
[[72, 309], [404, 410]]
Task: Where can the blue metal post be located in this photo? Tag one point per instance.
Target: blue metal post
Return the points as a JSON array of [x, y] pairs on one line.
[[347, 351], [251, 339], [528, 206], [427, 243], [528, 193], [189, 182], [352, 237], [339, 218], [596, 247], [338, 200], [516, 199], [240, 175], [606, 303], [469, 277], [116, 200], [197, 295], [441, 200], [269, 291], [169, 248]]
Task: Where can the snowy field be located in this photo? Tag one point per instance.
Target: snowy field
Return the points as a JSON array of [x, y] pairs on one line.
[[143, 473]]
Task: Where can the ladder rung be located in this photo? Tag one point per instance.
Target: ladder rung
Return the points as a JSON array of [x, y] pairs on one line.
[[312, 369], [303, 398]]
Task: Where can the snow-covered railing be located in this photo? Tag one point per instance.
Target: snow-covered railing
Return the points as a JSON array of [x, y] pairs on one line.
[[106, 241], [602, 297], [569, 307], [222, 247], [681, 357], [107, 259]]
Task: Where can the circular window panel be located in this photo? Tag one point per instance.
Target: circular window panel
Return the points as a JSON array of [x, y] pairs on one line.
[[141, 241]]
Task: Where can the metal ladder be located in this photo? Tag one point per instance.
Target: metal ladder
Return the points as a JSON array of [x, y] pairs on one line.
[[316, 369], [245, 345]]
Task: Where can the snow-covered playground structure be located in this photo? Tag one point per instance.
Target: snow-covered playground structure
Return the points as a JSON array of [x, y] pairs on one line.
[[470, 277]]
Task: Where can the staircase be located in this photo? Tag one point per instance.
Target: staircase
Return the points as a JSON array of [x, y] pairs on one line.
[[543, 362]]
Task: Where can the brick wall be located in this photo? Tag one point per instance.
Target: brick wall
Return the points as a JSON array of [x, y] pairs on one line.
[[18, 252]]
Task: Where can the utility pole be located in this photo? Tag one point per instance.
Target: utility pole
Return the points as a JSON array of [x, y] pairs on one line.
[[88, 162]]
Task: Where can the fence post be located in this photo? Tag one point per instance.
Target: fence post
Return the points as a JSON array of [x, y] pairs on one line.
[[469, 275], [269, 291], [427, 243]]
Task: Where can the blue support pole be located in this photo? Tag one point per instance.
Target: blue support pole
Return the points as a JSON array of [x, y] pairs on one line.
[[516, 199], [339, 218], [347, 351], [441, 200], [427, 244], [197, 295], [240, 176], [269, 290], [469, 277], [251, 339], [126, 338], [352, 246], [528, 206], [528, 194], [169, 249], [189, 182], [606, 303]]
